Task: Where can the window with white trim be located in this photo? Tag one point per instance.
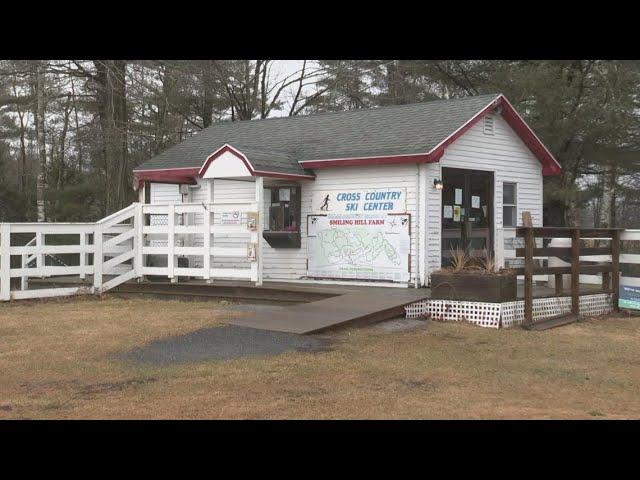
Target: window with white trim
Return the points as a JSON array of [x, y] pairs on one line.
[[509, 205]]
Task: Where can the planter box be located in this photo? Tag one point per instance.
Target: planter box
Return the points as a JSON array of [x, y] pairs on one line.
[[474, 287]]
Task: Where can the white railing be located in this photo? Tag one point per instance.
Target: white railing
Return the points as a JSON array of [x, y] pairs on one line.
[[502, 254], [121, 244], [171, 239]]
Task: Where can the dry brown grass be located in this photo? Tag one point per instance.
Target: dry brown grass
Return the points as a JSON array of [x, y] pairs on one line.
[[56, 362]]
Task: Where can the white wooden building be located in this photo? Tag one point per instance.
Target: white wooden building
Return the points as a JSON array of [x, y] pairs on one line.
[[456, 172], [376, 196]]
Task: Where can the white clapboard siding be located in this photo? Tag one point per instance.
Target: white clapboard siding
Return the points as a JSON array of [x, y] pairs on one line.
[[198, 195], [231, 192], [163, 194], [506, 155]]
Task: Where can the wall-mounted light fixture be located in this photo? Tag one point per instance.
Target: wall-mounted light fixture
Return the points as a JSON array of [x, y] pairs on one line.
[[437, 183]]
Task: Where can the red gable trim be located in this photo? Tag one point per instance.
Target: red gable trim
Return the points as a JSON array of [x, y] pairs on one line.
[[222, 150], [247, 163], [550, 165]]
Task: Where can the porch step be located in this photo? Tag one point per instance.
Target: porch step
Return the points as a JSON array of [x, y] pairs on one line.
[[553, 322]]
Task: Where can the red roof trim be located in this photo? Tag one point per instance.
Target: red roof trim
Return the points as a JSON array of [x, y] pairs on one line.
[[286, 176], [550, 165], [343, 162], [182, 175], [226, 148], [247, 163]]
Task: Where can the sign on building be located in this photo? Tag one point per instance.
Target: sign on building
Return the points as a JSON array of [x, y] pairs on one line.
[[374, 201], [629, 297], [368, 247], [230, 218]]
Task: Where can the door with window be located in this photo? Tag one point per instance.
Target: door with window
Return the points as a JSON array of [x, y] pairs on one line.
[[467, 212]]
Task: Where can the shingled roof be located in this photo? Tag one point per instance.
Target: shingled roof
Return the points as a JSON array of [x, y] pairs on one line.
[[282, 142], [279, 144]]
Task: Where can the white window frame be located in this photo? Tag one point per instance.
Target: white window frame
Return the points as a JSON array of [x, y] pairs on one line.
[[514, 205]]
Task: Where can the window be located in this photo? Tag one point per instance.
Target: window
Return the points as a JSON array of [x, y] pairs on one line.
[[509, 205], [284, 211], [283, 224]]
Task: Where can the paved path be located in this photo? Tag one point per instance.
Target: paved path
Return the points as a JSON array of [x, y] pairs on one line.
[[342, 310]]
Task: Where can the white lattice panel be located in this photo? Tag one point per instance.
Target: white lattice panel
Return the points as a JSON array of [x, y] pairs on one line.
[[506, 314], [478, 313]]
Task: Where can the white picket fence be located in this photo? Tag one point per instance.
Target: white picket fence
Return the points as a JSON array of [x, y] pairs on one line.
[[115, 249]]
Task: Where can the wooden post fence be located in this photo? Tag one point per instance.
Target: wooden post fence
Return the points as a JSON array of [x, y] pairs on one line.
[[610, 271]]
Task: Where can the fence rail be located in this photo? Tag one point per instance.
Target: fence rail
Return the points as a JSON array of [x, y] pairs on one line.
[[610, 271], [117, 248], [554, 253]]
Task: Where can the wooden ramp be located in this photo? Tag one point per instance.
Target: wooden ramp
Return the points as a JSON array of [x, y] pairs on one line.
[[350, 309]]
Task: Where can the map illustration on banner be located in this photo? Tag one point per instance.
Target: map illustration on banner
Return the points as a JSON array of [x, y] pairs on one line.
[[371, 247], [360, 201]]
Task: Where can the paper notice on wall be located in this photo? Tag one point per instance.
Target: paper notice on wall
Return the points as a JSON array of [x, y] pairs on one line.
[[284, 195], [252, 221], [230, 218], [475, 201], [251, 252], [456, 213], [458, 200], [448, 211]]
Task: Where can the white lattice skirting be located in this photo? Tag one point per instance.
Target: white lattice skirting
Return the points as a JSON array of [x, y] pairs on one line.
[[496, 315]]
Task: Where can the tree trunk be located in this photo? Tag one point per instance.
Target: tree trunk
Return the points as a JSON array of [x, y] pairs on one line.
[[112, 108], [77, 124], [23, 154], [42, 145], [607, 202], [63, 140], [208, 92]]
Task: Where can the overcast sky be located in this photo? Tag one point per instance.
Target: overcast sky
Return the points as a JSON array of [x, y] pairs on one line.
[[281, 69]]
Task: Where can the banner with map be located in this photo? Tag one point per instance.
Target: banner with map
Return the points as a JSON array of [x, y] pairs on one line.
[[367, 247]]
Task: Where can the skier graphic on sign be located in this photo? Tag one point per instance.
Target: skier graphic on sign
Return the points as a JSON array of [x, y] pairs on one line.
[[325, 204]]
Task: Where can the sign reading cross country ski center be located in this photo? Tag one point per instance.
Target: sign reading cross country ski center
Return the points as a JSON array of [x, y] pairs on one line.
[[360, 201]]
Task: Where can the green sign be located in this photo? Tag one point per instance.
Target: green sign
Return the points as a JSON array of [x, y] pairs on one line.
[[629, 297]]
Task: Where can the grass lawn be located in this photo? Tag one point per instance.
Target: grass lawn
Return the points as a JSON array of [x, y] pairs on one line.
[[57, 361]]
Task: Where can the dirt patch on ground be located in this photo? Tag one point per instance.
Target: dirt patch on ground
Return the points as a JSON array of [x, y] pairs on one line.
[[223, 343]]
